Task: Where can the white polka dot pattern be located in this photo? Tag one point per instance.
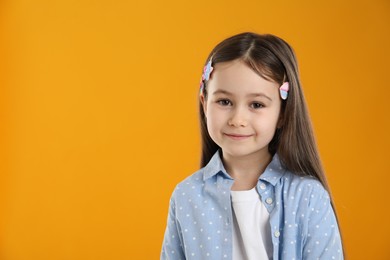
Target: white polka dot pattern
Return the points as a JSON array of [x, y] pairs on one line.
[[303, 224]]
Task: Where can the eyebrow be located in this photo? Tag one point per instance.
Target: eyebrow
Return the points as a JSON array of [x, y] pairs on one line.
[[221, 91]]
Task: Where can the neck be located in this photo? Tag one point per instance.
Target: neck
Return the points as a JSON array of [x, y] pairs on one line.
[[246, 170]]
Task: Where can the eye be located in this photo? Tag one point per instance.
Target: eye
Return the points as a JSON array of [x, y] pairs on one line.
[[257, 105], [224, 102]]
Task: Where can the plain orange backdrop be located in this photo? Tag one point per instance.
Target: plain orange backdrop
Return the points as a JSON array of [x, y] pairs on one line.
[[98, 108]]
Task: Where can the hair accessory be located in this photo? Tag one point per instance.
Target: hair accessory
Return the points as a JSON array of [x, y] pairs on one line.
[[207, 70], [206, 74], [284, 90]]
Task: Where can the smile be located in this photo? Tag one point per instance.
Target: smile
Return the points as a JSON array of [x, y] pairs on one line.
[[237, 136]]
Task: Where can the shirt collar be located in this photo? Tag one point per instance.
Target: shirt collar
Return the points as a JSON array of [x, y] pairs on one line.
[[273, 172], [214, 167]]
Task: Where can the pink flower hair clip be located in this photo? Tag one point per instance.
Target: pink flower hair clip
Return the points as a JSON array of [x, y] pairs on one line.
[[206, 74], [284, 90]]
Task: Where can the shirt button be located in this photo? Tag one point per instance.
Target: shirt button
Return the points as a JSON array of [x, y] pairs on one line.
[[262, 186], [269, 201], [277, 234]]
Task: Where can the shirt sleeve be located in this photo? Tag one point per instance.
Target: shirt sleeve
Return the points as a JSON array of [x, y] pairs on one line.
[[172, 248], [323, 239]]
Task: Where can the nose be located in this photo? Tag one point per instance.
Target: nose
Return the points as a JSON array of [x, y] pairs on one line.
[[238, 118]]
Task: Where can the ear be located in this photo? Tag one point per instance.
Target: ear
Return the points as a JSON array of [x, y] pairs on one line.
[[204, 103]]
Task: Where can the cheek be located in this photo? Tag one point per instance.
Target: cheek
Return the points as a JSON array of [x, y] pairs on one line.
[[214, 121], [267, 124], [211, 121]]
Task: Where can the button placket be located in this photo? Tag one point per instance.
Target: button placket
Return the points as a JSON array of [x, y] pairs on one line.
[[269, 201]]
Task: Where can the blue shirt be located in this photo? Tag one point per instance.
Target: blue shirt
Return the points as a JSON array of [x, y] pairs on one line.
[[302, 220]]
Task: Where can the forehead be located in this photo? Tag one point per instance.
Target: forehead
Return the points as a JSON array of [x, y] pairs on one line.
[[238, 78]]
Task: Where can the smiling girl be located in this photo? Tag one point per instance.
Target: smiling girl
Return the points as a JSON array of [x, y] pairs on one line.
[[261, 192]]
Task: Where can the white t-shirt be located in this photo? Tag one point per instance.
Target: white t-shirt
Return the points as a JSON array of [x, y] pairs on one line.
[[251, 228]]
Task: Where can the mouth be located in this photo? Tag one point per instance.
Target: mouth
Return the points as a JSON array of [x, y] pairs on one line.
[[237, 136]]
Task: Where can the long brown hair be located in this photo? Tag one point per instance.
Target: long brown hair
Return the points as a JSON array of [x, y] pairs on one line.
[[273, 59]]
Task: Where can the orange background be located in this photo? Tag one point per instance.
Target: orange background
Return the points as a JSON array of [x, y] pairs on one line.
[[98, 108]]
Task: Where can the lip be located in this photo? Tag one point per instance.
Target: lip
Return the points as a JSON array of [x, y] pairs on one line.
[[237, 136]]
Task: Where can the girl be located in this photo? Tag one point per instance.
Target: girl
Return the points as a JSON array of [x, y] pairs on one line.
[[261, 192]]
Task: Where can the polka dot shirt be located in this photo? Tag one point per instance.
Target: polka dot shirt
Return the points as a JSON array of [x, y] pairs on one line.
[[302, 221]]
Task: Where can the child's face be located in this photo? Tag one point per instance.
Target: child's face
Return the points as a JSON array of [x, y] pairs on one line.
[[242, 110]]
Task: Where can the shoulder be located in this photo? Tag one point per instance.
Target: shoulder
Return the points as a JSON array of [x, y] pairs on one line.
[[305, 184], [192, 188], [304, 192], [191, 184]]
